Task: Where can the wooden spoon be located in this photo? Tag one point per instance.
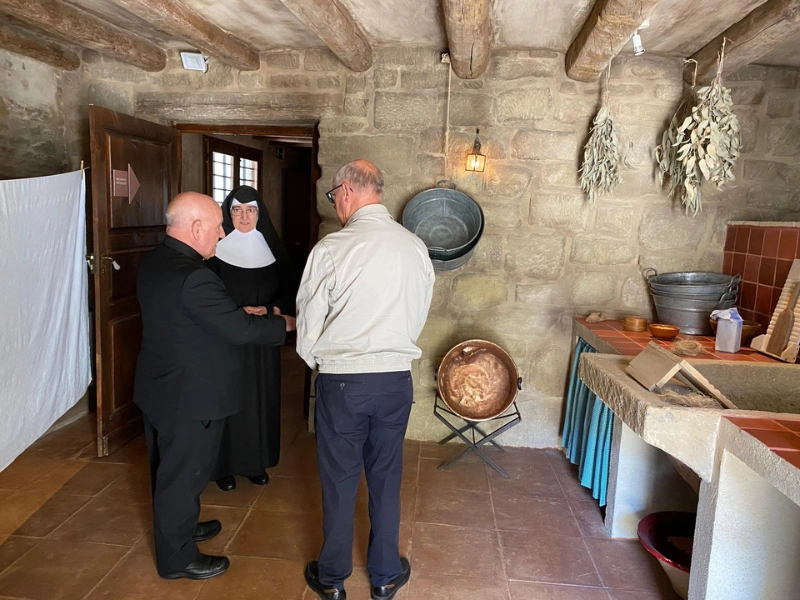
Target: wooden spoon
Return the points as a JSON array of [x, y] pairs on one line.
[[784, 324]]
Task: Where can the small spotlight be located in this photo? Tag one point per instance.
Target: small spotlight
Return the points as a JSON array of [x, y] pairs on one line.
[[638, 49]]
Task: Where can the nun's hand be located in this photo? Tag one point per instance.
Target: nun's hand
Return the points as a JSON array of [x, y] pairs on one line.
[[259, 311]]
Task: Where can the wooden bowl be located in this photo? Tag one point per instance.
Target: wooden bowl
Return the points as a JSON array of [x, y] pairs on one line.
[[750, 329], [664, 332], [634, 324]]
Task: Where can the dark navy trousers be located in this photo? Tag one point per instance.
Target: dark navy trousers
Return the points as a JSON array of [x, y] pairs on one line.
[[360, 422]]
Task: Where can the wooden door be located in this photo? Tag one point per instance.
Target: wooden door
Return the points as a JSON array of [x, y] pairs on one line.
[[135, 172], [296, 209]]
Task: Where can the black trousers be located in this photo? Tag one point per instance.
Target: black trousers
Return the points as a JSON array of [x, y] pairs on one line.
[[360, 422], [182, 453]]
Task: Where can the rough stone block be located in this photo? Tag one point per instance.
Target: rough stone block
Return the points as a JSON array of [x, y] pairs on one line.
[[389, 152], [636, 293], [772, 172], [556, 175], [784, 77], [783, 139], [558, 209], [289, 81], [424, 79], [593, 289], [112, 95], [622, 90], [617, 220], [507, 68], [540, 256], [501, 214], [568, 87], [385, 78], [118, 72], [478, 292], [336, 125], [470, 110], [549, 371], [489, 253], [517, 322], [329, 82], [638, 142], [524, 105], [406, 111], [437, 336], [328, 226], [408, 55], [508, 180], [748, 124], [748, 73], [636, 183], [355, 84], [593, 251], [356, 107], [784, 199], [252, 80], [656, 67], [781, 103], [576, 110], [668, 228], [282, 59], [638, 111], [320, 59], [747, 94], [461, 143], [539, 144], [669, 92], [442, 292], [543, 294]]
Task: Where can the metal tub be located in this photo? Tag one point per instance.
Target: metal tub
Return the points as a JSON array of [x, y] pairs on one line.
[[692, 284], [691, 316]]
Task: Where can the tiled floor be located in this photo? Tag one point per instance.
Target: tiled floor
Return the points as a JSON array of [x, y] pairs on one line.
[[74, 527]]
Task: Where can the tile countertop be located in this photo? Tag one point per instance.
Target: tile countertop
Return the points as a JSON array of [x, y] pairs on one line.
[[610, 338], [781, 436]]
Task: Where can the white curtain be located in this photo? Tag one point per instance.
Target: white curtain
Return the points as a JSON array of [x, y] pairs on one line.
[[44, 315]]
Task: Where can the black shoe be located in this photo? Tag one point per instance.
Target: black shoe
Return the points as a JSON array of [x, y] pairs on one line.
[[227, 484], [312, 579], [206, 530], [205, 567], [262, 479], [387, 592]]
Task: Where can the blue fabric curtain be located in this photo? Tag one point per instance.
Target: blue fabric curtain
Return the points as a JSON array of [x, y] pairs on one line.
[[587, 431]]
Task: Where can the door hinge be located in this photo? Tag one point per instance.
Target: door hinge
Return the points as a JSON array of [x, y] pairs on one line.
[[90, 263]]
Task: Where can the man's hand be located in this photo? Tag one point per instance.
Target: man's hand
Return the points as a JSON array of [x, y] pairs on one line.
[[276, 310], [291, 323], [259, 311]]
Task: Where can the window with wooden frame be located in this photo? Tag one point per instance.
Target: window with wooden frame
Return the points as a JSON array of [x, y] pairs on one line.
[[229, 165]]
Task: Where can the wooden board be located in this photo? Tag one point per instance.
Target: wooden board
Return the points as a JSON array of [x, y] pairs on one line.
[[761, 342]]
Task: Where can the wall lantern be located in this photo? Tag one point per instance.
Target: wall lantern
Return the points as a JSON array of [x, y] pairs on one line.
[[476, 161]]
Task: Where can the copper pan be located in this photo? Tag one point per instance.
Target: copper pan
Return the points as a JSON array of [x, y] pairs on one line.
[[478, 380]]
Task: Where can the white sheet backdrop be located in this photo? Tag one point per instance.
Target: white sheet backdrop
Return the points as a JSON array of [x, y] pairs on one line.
[[44, 314]]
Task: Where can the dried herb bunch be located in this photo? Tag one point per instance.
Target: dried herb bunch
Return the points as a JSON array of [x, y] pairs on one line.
[[701, 143], [600, 172]]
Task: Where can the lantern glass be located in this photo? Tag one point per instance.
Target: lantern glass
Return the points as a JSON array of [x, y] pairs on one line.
[[476, 162]]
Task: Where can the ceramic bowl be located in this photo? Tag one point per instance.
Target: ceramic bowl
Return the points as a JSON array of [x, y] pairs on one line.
[[664, 332], [750, 329]]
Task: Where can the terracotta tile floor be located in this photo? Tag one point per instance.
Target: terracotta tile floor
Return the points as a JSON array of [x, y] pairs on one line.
[[74, 527]]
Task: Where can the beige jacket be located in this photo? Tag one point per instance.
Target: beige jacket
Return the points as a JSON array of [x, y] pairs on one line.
[[364, 297]]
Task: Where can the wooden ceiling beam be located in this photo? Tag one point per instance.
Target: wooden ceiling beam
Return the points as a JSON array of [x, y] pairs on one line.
[[27, 43], [468, 35], [606, 31], [335, 26], [82, 29], [175, 18], [748, 40]]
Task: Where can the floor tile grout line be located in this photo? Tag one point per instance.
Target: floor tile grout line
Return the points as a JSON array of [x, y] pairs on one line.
[[20, 557], [114, 566], [499, 538]]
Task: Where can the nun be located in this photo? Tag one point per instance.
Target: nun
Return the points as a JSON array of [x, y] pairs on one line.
[[256, 269]]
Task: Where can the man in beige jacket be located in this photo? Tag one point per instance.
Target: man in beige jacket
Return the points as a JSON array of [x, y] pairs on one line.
[[363, 301]]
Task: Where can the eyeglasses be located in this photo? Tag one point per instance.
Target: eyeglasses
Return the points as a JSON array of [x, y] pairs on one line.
[[329, 193], [238, 211]]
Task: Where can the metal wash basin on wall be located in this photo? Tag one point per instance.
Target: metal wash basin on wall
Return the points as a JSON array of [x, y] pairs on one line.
[[767, 387]]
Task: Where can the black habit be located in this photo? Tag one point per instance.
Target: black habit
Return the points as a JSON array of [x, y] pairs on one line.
[[251, 439], [186, 376]]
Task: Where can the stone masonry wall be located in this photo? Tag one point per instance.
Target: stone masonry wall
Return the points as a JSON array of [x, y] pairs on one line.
[[546, 253]]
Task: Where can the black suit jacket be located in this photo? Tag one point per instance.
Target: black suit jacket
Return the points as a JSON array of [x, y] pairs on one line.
[[189, 364]]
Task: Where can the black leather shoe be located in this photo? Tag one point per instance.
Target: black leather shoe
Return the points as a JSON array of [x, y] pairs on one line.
[[326, 593], [205, 567], [206, 530], [227, 484], [387, 592], [259, 479]]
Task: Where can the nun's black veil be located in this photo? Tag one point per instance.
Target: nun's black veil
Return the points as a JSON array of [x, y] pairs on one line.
[[246, 194]]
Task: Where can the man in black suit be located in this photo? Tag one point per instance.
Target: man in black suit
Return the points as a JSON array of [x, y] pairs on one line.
[[187, 375]]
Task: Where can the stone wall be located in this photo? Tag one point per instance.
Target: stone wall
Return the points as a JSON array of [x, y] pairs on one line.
[[546, 254]]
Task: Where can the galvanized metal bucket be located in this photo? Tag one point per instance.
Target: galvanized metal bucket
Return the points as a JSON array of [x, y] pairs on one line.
[[448, 221], [698, 285], [691, 316]]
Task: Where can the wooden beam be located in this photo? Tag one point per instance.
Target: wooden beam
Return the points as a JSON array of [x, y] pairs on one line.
[[82, 29], [467, 26], [748, 40], [606, 31], [334, 25], [32, 45], [176, 19]]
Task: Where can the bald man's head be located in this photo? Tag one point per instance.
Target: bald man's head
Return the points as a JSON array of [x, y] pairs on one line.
[[360, 183], [196, 220]]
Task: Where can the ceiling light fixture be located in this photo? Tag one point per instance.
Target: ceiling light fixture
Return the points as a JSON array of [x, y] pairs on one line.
[[638, 49], [194, 61]]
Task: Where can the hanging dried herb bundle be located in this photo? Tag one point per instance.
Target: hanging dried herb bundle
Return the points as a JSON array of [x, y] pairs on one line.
[[600, 172], [701, 143]]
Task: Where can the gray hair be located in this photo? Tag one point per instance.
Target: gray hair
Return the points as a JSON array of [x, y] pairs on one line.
[[361, 174]]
